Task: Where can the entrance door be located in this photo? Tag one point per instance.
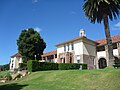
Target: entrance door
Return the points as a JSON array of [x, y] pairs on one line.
[[102, 63]]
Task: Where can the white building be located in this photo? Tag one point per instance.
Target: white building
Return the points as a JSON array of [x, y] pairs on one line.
[[49, 56], [84, 50], [78, 50], [15, 60]]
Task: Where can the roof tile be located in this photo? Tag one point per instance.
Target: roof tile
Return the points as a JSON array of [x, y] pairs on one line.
[[16, 55], [49, 53], [114, 39]]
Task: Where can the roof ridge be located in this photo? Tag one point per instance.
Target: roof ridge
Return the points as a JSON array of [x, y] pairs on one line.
[[111, 37]]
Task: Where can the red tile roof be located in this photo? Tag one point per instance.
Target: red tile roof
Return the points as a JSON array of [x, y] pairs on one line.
[[74, 39], [16, 55], [103, 41], [49, 53], [100, 42]]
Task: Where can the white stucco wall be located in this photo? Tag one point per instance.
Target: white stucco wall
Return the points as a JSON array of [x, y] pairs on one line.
[[89, 49], [103, 54], [60, 49], [11, 63], [55, 60], [115, 52], [15, 61], [78, 47]]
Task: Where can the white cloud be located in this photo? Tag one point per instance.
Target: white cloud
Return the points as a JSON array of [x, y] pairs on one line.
[[116, 26], [35, 1], [38, 29], [73, 12]]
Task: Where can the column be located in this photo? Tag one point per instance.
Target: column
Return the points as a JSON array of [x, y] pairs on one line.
[[118, 47], [67, 58], [109, 57]]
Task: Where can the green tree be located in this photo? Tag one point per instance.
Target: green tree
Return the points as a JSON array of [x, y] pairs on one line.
[[30, 44], [101, 10]]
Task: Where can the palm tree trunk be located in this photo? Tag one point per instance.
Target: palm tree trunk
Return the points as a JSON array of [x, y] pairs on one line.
[[109, 48]]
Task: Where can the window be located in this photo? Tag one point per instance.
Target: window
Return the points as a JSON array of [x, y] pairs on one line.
[[64, 48], [55, 55], [72, 46], [78, 58], [12, 66], [78, 61], [68, 46]]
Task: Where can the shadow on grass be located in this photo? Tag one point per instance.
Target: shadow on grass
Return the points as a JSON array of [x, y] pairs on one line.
[[13, 86]]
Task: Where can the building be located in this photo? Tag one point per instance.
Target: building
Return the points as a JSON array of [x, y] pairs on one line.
[[50, 56], [15, 60], [84, 50], [78, 50]]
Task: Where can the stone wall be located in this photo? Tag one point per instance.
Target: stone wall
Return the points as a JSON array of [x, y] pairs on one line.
[[89, 60]]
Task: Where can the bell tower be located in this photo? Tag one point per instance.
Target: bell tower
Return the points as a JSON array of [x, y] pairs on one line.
[[82, 33]]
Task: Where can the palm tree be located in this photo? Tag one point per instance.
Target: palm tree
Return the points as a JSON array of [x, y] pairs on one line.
[[101, 10]]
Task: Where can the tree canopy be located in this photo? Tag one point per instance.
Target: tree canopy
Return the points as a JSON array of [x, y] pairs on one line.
[[30, 44], [102, 10], [95, 10]]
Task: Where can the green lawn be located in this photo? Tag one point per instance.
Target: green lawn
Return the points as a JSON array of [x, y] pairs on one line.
[[107, 79], [3, 73]]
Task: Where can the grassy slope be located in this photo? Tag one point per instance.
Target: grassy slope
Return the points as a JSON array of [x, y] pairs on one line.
[[108, 79], [3, 73]]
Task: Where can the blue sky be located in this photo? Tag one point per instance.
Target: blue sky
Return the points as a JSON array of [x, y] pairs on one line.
[[55, 20]]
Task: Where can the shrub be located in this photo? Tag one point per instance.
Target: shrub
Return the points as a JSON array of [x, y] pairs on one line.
[[1, 76], [22, 66], [31, 65], [18, 76], [84, 66], [8, 76], [48, 66], [5, 67], [34, 65], [70, 66]]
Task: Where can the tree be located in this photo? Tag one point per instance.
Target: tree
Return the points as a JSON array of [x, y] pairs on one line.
[[30, 44], [101, 10], [4, 67]]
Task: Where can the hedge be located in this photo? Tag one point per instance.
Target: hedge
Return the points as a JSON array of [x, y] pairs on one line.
[[23, 65], [4, 67], [48, 66], [70, 66], [34, 65]]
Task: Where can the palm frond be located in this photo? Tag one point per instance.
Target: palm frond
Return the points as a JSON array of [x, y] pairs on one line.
[[96, 9]]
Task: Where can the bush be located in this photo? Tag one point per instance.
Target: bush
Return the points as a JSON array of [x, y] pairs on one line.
[[84, 66], [5, 67], [18, 76], [34, 65], [1, 76], [8, 76], [30, 65], [48, 66], [23, 66], [70, 66]]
